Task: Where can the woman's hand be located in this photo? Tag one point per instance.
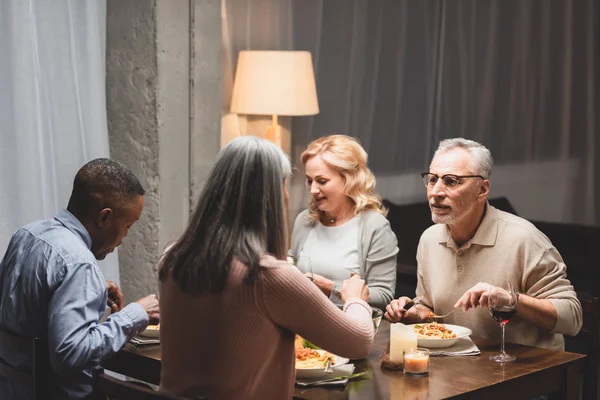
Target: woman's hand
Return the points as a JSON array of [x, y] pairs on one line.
[[322, 283], [355, 287]]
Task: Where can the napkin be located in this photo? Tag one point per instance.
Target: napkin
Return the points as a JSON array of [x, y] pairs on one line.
[[342, 370], [141, 341], [464, 347]]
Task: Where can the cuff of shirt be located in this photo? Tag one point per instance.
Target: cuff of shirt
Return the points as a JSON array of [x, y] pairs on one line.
[[360, 302], [564, 321], [137, 315], [336, 295]]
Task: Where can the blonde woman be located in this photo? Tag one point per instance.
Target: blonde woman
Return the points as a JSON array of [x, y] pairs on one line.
[[344, 231]]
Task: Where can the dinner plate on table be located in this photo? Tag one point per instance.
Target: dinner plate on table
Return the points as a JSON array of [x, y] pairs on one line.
[[152, 331], [439, 343], [309, 373]]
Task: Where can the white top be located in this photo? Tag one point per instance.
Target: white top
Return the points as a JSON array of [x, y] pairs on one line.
[[333, 250]]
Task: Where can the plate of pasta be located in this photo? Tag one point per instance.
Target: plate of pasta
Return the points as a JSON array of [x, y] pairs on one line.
[[435, 335], [310, 362]]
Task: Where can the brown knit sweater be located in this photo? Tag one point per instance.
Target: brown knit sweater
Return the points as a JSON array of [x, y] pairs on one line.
[[239, 344]]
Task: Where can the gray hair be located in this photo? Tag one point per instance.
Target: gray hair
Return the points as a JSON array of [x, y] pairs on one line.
[[481, 157], [240, 213]]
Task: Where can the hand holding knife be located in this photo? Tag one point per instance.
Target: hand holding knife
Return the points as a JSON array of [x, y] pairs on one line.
[[395, 312]]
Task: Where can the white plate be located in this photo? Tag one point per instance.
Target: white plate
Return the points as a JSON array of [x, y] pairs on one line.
[[308, 373], [435, 343], [150, 333]]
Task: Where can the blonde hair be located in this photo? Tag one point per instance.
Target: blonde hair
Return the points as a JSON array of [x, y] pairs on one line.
[[346, 156]]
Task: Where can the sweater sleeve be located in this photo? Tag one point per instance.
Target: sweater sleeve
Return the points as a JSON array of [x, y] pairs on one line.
[[381, 266], [296, 304], [299, 233], [548, 280]]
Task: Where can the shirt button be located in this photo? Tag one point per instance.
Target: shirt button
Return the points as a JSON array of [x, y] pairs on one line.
[[459, 269], [459, 253]]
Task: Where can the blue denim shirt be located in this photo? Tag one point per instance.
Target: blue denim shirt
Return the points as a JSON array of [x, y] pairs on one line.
[[51, 287]]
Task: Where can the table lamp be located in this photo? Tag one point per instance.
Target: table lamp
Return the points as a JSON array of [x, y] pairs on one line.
[[274, 83]]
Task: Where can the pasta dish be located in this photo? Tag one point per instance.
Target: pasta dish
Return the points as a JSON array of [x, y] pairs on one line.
[[433, 330], [311, 358]]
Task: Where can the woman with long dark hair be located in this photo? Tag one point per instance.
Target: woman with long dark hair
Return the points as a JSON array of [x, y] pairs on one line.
[[230, 302]]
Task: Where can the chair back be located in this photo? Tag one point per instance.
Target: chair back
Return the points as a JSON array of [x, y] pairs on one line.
[[590, 335], [587, 341], [109, 387], [38, 376]]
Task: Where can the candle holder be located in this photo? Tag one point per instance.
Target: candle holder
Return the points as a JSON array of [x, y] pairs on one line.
[[389, 364], [416, 361]]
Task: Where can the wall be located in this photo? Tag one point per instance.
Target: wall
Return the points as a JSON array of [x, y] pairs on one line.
[[163, 85]]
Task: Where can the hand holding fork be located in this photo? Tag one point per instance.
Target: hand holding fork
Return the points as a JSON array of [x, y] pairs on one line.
[[433, 315]]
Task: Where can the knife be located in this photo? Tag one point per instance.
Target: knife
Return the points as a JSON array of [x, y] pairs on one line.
[[411, 303], [337, 378]]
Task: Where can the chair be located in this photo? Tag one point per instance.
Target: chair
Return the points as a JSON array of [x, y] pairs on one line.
[[38, 376], [587, 341], [106, 386]]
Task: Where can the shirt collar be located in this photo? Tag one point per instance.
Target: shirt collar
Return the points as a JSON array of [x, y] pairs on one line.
[[486, 232], [74, 225]]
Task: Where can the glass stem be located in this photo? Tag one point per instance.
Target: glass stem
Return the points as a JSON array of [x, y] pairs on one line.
[[502, 346]]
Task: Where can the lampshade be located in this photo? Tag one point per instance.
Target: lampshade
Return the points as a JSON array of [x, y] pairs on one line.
[[275, 83]]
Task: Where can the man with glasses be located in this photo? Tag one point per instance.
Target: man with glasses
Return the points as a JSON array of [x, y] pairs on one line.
[[474, 246]]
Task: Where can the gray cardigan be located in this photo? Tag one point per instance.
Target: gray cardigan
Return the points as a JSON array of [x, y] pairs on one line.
[[377, 252]]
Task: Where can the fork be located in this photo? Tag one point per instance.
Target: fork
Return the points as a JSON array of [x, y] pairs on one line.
[[328, 367], [435, 316], [337, 378]]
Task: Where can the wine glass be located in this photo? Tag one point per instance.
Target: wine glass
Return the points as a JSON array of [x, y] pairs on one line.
[[302, 262], [502, 304]]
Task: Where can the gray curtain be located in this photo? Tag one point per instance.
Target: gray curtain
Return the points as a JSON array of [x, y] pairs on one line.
[[520, 77]]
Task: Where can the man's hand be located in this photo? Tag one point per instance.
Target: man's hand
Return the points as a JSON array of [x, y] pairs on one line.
[[150, 304], [475, 297], [115, 297], [394, 312]]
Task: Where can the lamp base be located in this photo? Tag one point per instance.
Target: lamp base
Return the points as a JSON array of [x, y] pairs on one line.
[[273, 133]]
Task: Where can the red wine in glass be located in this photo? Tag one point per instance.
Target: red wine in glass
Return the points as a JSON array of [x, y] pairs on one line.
[[503, 314], [502, 302]]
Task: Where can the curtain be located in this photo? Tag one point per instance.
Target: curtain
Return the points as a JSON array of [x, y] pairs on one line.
[[52, 107], [400, 75]]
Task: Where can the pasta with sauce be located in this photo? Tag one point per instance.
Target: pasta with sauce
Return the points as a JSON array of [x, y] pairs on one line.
[[433, 330], [307, 357], [311, 358]]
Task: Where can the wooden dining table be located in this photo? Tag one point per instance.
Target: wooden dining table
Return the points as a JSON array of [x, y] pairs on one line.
[[535, 372]]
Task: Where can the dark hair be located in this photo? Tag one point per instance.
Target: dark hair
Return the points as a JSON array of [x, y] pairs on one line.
[[103, 183], [240, 213]]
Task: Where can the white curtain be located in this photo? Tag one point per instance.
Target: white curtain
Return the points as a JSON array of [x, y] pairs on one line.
[[52, 107], [520, 77]]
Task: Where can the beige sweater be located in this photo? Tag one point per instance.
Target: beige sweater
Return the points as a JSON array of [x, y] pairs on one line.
[[504, 247], [239, 344]]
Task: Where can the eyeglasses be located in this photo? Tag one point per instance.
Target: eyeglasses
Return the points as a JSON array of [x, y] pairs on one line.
[[450, 181]]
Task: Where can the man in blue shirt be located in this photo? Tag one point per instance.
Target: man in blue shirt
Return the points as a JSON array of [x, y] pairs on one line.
[[51, 286]]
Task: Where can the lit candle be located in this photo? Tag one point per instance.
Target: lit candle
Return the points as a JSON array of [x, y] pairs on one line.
[[401, 337], [416, 361]]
